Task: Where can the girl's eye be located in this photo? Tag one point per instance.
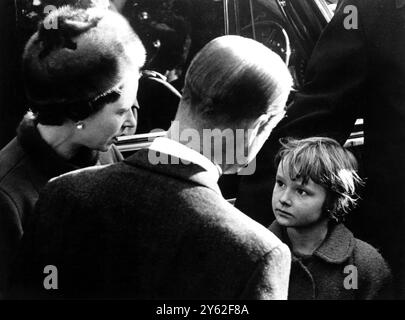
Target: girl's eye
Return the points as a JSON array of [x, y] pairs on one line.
[[279, 183], [302, 192]]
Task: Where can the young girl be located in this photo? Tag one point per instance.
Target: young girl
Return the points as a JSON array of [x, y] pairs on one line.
[[314, 190]]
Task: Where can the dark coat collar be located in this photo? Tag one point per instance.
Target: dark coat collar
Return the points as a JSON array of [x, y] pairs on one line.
[[336, 248], [188, 172], [44, 156]]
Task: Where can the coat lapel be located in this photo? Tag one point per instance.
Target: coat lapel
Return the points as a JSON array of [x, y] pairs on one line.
[[174, 167]]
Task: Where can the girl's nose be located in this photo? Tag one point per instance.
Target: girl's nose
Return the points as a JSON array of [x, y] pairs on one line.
[[285, 198]]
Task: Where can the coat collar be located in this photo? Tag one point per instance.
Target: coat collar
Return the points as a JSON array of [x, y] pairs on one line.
[[173, 166], [178, 150], [336, 248]]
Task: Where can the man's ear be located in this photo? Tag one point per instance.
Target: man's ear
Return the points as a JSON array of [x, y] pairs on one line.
[[268, 121], [259, 128]]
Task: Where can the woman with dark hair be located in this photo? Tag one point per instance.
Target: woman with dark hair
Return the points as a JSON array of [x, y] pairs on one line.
[[81, 71]]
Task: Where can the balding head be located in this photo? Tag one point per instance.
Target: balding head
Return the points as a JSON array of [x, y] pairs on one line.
[[233, 79], [234, 94]]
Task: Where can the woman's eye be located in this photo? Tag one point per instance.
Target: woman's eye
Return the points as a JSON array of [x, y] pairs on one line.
[[122, 112]]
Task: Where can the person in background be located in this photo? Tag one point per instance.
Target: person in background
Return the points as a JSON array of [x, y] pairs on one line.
[[315, 189], [156, 226], [81, 81], [165, 32]]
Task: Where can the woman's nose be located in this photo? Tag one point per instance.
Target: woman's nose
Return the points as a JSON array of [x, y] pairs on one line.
[[132, 119], [131, 122]]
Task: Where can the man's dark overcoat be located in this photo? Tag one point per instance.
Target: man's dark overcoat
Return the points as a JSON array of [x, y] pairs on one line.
[[147, 231]]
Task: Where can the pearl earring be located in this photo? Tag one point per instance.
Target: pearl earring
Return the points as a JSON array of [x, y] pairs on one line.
[[80, 126]]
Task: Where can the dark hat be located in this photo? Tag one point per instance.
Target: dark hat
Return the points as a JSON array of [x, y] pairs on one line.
[[77, 55]]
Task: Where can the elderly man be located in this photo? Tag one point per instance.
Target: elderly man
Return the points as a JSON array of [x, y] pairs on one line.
[[81, 82], [156, 226]]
